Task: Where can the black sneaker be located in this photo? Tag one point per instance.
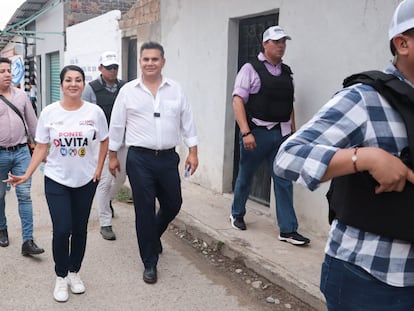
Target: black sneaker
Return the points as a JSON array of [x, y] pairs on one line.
[[4, 238], [237, 222], [293, 238]]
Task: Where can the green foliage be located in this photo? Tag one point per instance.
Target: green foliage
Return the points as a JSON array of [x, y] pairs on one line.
[[124, 194]]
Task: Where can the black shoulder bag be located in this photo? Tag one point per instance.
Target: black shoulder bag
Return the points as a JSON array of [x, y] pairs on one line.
[[30, 140]]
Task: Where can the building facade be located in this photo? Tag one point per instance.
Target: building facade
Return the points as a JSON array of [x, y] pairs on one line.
[[206, 42]]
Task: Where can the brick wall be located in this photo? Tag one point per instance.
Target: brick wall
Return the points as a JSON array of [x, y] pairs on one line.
[[77, 11], [143, 12]]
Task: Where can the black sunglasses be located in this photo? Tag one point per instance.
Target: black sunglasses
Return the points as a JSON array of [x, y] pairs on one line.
[[110, 67]]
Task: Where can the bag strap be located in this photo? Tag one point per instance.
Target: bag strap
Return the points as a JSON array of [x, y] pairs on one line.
[[17, 111], [399, 95]]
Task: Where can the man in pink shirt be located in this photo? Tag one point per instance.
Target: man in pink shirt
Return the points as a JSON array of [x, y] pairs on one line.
[[15, 156], [263, 107]]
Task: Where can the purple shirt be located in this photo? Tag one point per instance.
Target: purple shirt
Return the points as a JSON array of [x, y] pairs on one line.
[[248, 82], [12, 130]]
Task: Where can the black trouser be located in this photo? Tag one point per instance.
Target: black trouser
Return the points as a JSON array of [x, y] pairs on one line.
[[69, 209], [153, 176]]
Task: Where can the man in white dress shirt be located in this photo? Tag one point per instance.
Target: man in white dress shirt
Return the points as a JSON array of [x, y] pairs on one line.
[[154, 115]]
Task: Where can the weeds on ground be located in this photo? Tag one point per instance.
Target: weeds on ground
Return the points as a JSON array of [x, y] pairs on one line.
[[124, 195]]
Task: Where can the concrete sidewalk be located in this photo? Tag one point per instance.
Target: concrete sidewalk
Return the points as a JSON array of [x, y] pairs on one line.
[[205, 215]]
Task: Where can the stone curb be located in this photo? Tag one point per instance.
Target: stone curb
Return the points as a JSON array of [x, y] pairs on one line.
[[274, 273]]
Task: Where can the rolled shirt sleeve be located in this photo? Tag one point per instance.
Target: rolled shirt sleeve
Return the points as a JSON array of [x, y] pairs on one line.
[[341, 123], [118, 122]]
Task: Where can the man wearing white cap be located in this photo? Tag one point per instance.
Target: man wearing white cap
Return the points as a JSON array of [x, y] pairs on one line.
[[359, 137], [103, 92], [263, 108]]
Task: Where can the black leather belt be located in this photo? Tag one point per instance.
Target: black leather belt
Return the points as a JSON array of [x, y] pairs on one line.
[[152, 151], [13, 148]]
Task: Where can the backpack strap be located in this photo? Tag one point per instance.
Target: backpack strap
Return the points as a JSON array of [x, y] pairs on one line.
[[17, 111], [399, 94]]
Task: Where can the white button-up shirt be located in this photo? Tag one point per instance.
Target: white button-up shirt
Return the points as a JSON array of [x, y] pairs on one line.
[[158, 122]]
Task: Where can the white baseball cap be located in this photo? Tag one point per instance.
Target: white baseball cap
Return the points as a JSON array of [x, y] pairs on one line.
[[108, 58], [403, 18], [275, 33]]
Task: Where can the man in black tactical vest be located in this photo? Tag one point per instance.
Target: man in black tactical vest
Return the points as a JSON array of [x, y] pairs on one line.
[[361, 139], [103, 92], [263, 107]]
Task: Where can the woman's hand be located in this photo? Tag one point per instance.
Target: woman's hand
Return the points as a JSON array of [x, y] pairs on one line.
[[389, 171], [16, 180]]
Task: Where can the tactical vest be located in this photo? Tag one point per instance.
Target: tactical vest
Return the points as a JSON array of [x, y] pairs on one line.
[[274, 101], [104, 98], [352, 199]]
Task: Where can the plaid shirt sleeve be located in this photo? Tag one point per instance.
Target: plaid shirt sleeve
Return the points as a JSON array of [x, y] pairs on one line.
[[355, 116], [341, 123]]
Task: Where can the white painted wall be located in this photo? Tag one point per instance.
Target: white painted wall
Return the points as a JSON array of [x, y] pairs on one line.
[[50, 31], [50, 39], [87, 40], [331, 39]]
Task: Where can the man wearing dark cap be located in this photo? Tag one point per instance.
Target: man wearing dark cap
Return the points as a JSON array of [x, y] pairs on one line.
[[358, 137], [263, 107], [103, 92]]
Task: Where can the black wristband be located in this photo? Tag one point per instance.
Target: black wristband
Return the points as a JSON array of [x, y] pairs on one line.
[[246, 134]]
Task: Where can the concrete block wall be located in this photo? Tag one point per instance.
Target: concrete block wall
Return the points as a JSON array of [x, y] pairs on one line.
[[143, 12], [77, 11]]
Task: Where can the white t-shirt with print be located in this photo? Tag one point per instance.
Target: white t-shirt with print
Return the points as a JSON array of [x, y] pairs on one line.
[[73, 137]]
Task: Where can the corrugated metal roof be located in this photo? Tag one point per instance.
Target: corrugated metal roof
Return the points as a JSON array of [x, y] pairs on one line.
[[27, 9], [30, 10], [17, 21]]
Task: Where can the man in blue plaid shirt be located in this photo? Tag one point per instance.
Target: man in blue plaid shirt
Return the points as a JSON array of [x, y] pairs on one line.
[[362, 270]]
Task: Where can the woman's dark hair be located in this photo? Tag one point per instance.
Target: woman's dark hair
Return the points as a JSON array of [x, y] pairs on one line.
[[151, 45], [69, 68]]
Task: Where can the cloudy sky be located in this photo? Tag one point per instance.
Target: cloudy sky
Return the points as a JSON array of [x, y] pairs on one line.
[[8, 7]]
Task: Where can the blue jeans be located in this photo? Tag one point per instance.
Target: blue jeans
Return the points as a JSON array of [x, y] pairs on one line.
[[69, 210], [267, 145], [348, 287], [17, 162]]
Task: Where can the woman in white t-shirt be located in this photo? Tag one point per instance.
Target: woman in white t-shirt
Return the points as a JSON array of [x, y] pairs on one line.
[[66, 134]]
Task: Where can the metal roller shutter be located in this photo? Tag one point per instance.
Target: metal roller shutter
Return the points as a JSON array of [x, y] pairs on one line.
[[54, 77]]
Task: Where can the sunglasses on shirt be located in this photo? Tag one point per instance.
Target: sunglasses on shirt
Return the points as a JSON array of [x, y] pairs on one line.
[[110, 67]]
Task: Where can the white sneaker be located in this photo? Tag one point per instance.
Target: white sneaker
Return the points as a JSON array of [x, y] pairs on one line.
[[60, 292], [75, 283]]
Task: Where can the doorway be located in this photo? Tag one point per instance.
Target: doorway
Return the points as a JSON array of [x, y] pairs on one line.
[[132, 59], [250, 44]]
